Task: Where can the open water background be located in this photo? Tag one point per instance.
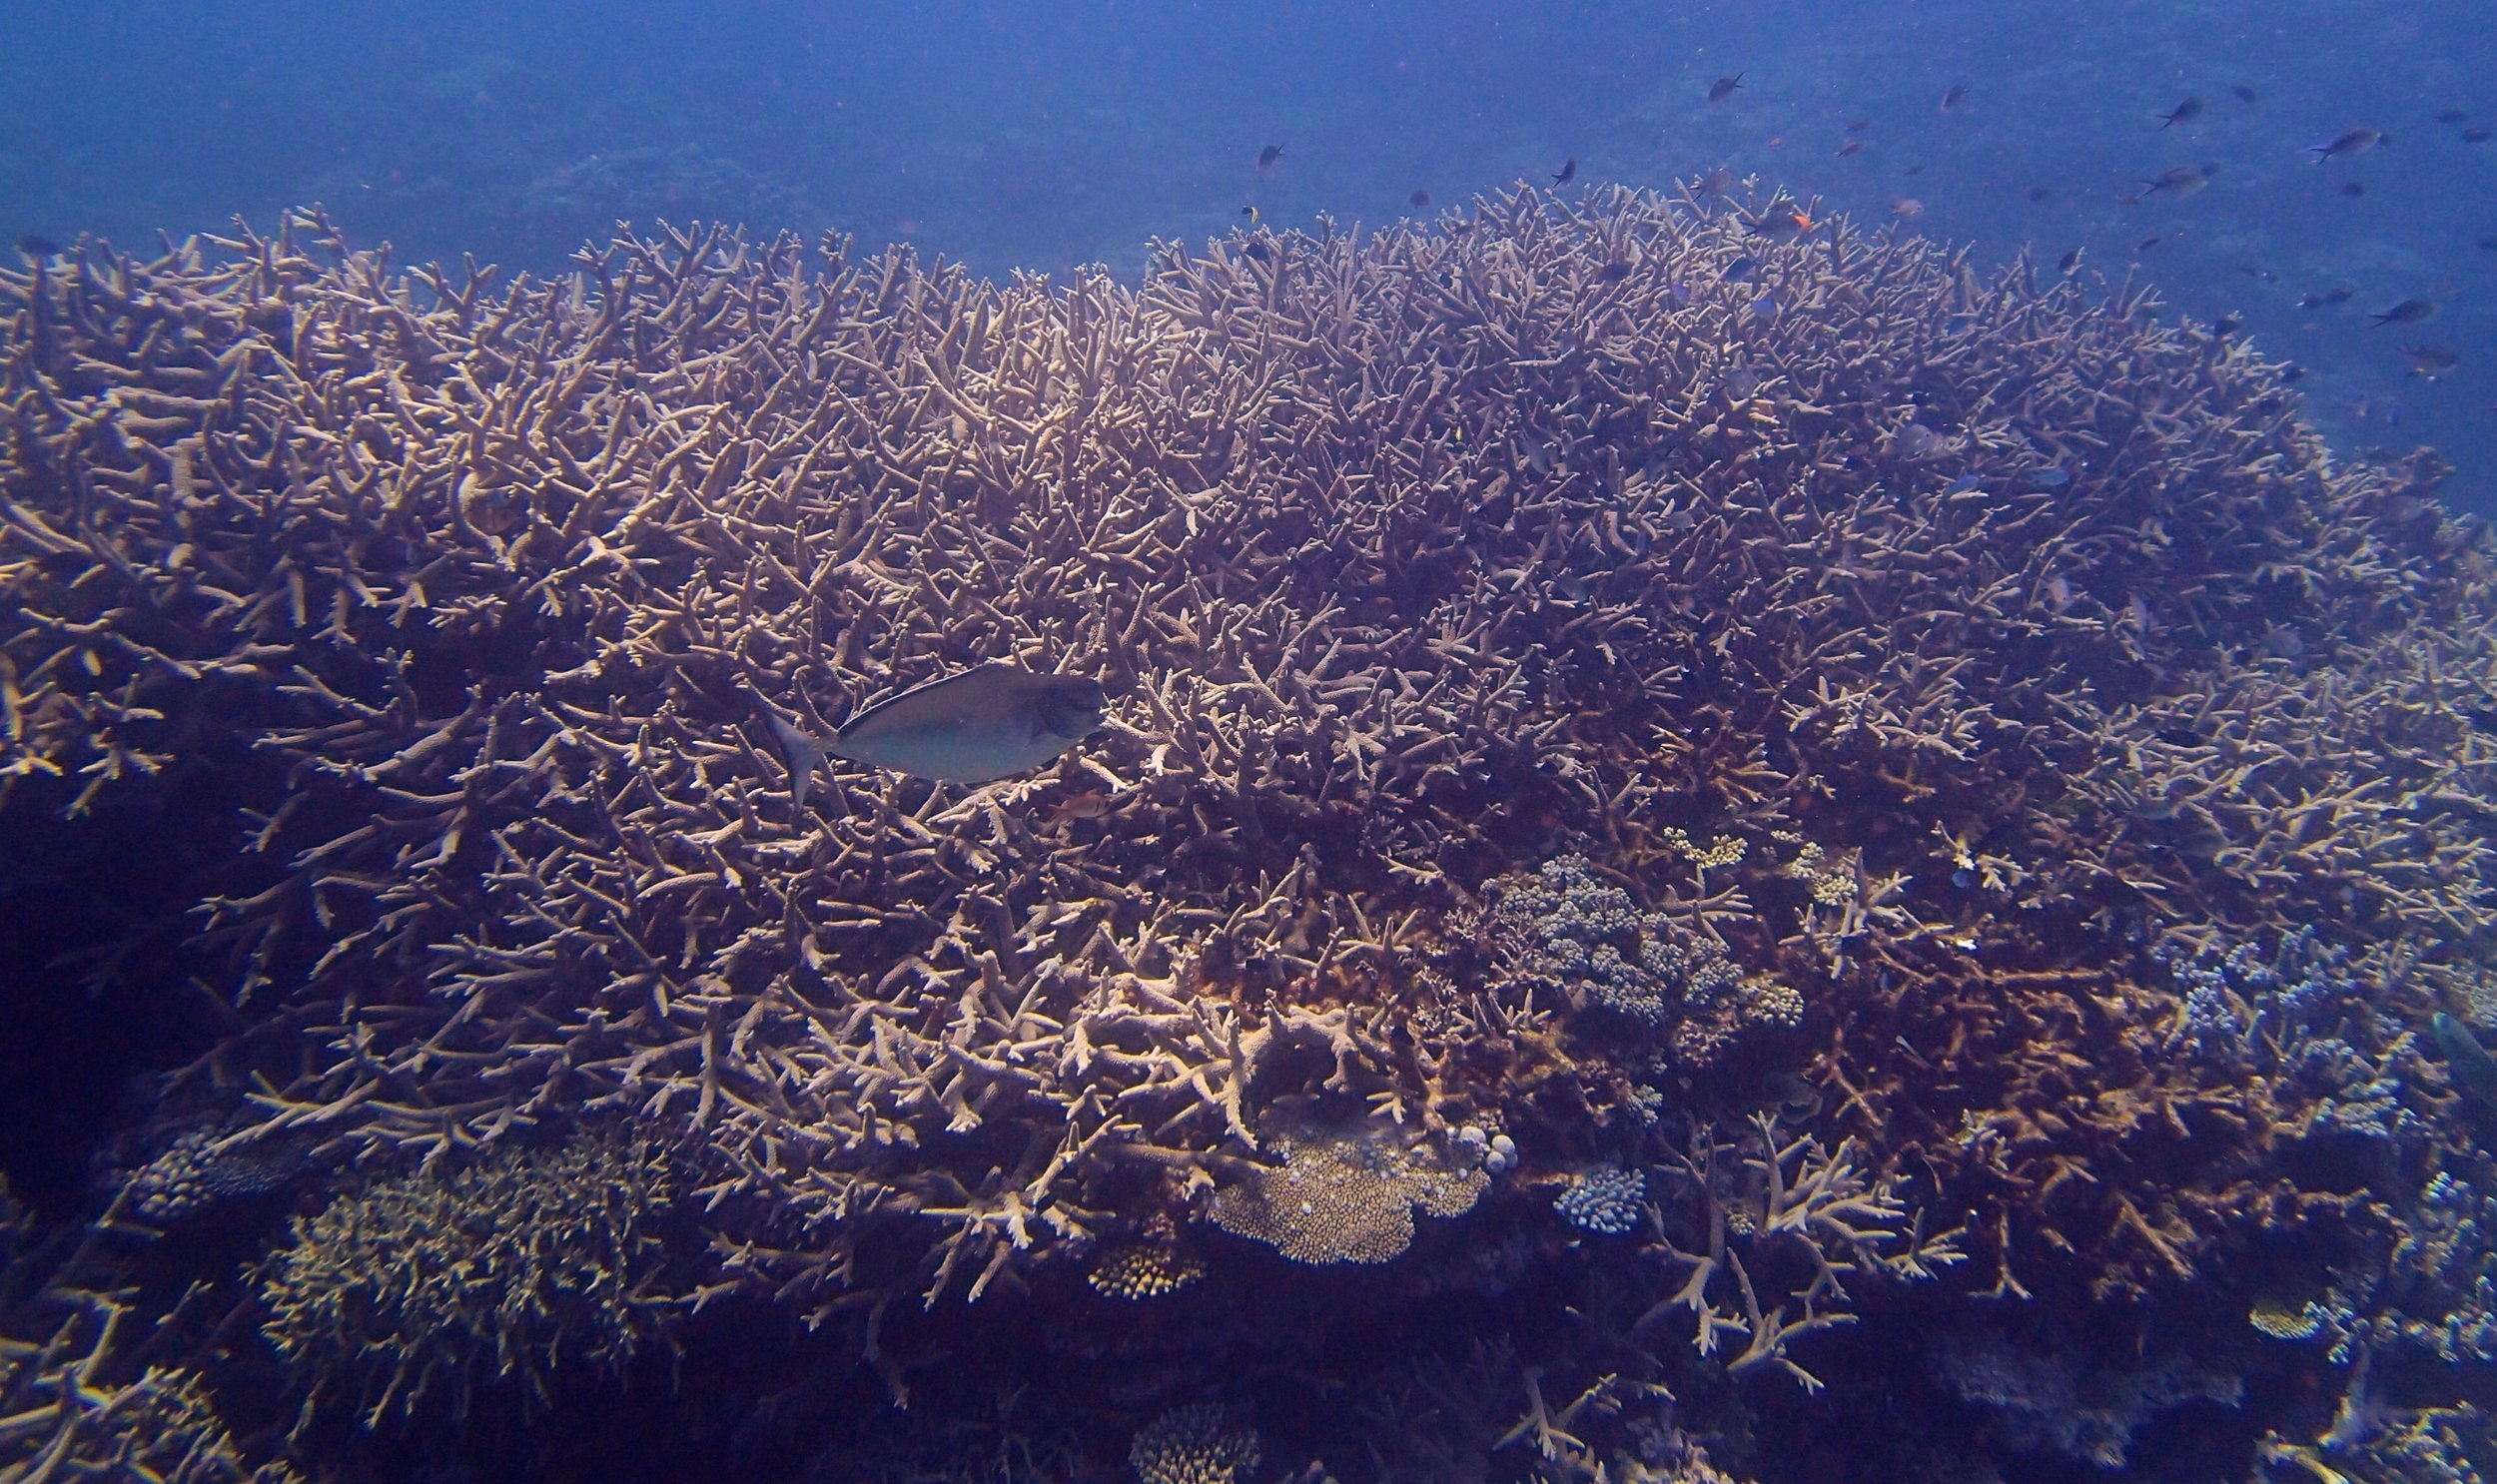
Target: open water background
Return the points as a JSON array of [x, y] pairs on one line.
[[1039, 136]]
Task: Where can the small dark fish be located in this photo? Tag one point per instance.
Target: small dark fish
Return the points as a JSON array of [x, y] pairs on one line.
[[1857, 126], [2184, 180], [1914, 170], [2147, 244], [1783, 220], [2348, 142], [2353, 187], [2450, 116], [1715, 181], [1419, 199], [1569, 169], [1614, 272], [2242, 93], [973, 726], [35, 245], [1723, 88], [2489, 244], [2475, 134], [2324, 300], [1679, 293], [1851, 147], [2257, 271], [1763, 307], [2040, 193], [2468, 1066], [2065, 264], [1916, 440], [2192, 108], [1741, 270], [1258, 250], [2292, 373], [1741, 383], [2408, 311], [1951, 98], [2482, 718], [2226, 324], [1268, 156], [2430, 361]]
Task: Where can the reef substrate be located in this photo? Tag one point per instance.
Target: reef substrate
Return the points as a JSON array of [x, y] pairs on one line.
[[1682, 859]]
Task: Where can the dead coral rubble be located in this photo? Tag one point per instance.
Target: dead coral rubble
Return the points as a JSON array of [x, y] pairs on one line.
[[1417, 560]]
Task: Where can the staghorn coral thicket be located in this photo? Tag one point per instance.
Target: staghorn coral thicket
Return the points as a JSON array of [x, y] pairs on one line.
[[1452, 581]]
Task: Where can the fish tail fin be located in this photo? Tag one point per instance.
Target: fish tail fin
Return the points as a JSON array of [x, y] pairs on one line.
[[802, 753]]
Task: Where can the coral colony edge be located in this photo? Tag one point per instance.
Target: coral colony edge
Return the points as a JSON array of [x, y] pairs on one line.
[[1858, 867]]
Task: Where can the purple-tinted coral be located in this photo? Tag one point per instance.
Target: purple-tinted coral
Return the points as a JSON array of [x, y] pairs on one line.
[[1606, 1201], [1567, 924]]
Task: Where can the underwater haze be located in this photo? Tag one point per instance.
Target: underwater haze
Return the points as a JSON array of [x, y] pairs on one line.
[[1285, 744], [1013, 137]]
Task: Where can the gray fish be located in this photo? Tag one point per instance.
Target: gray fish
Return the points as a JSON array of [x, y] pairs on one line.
[[2348, 142], [973, 726], [2468, 1064]]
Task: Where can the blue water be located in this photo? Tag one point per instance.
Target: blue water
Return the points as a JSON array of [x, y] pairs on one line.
[[1041, 137]]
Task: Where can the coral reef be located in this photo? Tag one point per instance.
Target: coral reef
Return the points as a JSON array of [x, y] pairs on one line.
[[511, 1266], [1343, 1196], [1199, 1444], [2044, 1403], [1564, 716], [79, 1397], [1605, 1201]]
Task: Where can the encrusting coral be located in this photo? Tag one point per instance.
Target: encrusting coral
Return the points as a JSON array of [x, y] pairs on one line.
[[1912, 671]]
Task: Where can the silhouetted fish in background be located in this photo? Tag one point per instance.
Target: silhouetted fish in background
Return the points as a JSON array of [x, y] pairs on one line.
[[2475, 134], [2348, 142], [2064, 266], [2192, 108], [2430, 361], [2242, 93], [34, 245], [2450, 116], [1419, 199], [2354, 188], [2184, 180], [1951, 98], [1268, 156], [1569, 169], [973, 726], [1723, 88], [2408, 311], [1741, 270], [2320, 301]]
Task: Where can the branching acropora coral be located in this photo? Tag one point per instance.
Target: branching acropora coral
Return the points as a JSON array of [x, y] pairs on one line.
[[1415, 560], [507, 1268]]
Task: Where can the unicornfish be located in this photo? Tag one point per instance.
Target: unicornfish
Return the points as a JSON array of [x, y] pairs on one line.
[[973, 726]]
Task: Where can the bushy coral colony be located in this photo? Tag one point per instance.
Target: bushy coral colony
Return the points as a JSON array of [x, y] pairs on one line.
[[1678, 855]]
